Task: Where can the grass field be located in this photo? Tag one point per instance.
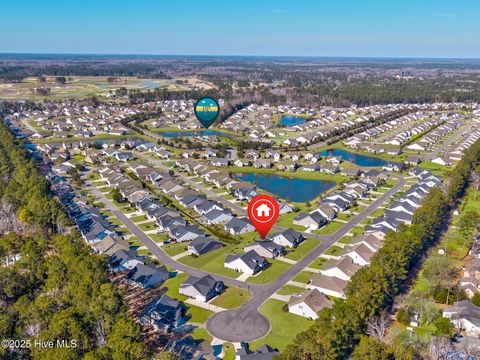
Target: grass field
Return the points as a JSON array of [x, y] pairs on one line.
[[330, 228], [290, 289], [175, 248], [212, 262], [79, 87], [198, 314], [285, 326], [303, 277], [232, 298], [275, 269], [302, 250], [201, 334], [173, 284]]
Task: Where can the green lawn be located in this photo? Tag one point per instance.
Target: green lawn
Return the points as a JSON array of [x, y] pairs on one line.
[[175, 248], [345, 240], [212, 262], [290, 289], [134, 241], [333, 250], [148, 226], [232, 298], [159, 237], [302, 250], [275, 269], [345, 216], [201, 334], [145, 252], [199, 315], [138, 218], [173, 284], [286, 221], [285, 326], [330, 228], [317, 264], [229, 351], [303, 277], [357, 230]]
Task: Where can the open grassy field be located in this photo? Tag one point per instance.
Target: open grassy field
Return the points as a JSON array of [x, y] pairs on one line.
[[81, 87]]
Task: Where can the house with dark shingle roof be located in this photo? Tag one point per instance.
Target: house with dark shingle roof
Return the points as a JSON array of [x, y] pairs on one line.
[[164, 314], [146, 276], [238, 226], [289, 237], [249, 262], [202, 245], [201, 289]]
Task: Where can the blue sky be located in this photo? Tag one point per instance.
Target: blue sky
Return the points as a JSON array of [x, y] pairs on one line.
[[421, 28]]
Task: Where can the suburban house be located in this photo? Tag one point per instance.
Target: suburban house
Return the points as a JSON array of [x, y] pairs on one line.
[[201, 289], [110, 245], [309, 304], [360, 254], [344, 268], [314, 220], [329, 285], [185, 233], [266, 248], [215, 217], [289, 237], [248, 263], [146, 276], [202, 245], [237, 226], [465, 316], [124, 260], [164, 314]]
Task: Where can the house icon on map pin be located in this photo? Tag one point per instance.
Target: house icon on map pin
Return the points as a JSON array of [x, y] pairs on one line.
[[263, 210]]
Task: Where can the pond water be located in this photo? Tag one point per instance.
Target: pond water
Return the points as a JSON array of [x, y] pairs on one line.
[[293, 189], [291, 120], [357, 159], [194, 133]]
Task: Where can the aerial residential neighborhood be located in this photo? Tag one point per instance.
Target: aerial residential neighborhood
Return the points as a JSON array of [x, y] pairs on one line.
[[240, 181]]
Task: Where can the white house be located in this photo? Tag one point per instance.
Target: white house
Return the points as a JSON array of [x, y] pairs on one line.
[[309, 304]]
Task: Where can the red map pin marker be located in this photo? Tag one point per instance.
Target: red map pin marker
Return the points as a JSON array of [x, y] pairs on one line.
[[263, 212]]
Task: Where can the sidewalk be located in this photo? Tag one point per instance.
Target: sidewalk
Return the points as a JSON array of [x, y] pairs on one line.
[[204, 305]]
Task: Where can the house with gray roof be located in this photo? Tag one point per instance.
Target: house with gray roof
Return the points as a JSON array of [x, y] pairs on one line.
[[201, 289], [202, 245], [146, 276], [289, 237], [465, 316], [249, 262], [238, 226], [214, 217], [164, 314], [266, 248]]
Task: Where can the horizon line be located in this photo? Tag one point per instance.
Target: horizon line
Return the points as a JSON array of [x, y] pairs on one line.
[[246, 56]]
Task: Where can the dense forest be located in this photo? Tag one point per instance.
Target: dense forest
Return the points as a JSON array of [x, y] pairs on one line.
[[340, 332], [57, 290]]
